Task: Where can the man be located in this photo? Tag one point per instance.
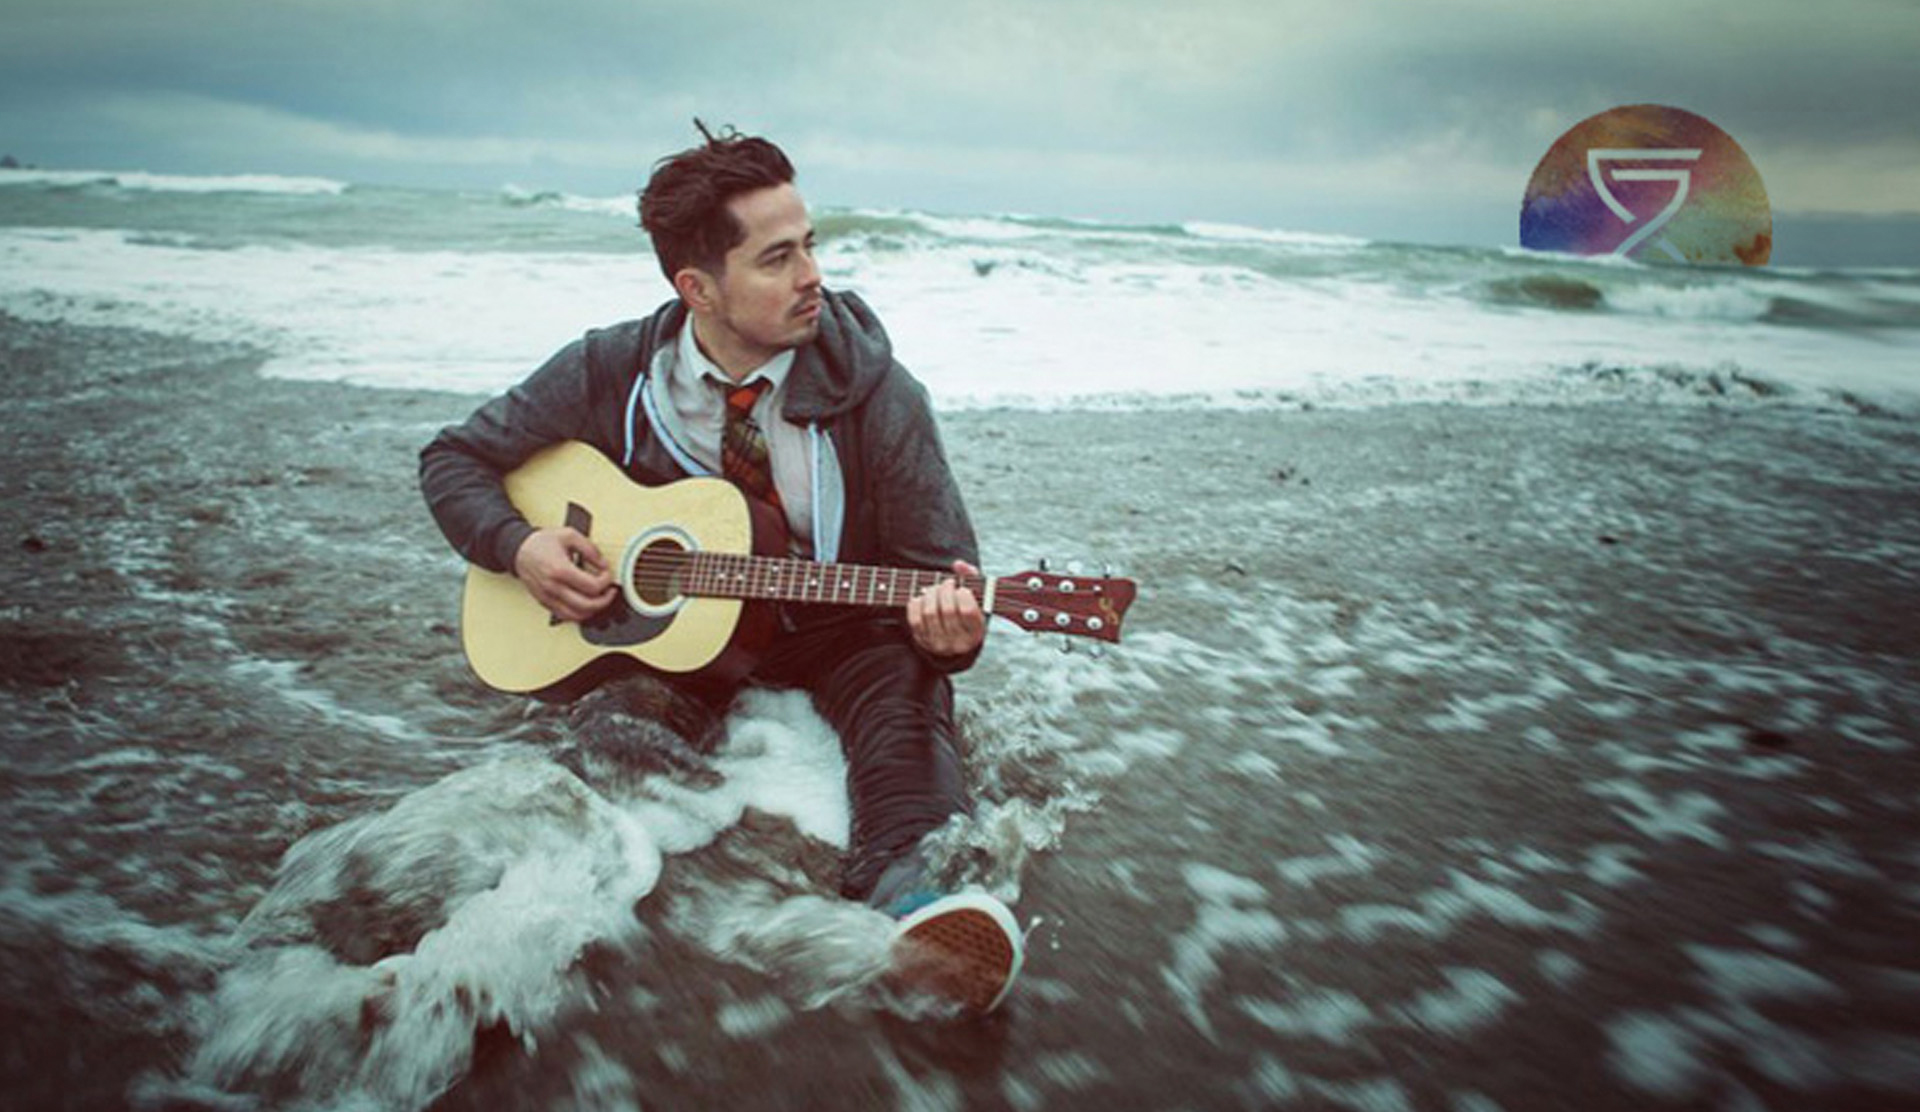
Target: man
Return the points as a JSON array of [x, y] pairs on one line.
[[757, 373]]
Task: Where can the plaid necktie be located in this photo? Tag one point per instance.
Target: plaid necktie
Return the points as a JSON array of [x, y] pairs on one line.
[[743, 446]]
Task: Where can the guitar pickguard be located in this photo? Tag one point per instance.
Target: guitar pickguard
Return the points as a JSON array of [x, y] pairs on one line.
[[621, 625]]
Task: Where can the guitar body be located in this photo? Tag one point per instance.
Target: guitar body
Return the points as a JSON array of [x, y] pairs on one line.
[[514, 645]]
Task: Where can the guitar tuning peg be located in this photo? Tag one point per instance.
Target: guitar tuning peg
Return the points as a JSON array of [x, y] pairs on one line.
[[1066, 647], [1098, 652], [1106, 570], [1044, 563]]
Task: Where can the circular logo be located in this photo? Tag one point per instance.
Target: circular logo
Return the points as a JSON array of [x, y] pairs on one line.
[[1651, 183]]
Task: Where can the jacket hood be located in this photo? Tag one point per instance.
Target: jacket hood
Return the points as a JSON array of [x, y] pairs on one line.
[[831, 375], [843, 365]]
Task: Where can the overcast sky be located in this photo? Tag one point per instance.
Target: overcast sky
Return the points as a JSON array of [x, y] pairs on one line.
[[1389, 118]]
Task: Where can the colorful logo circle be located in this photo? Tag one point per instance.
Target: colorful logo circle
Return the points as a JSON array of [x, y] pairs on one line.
[[1651, 183]]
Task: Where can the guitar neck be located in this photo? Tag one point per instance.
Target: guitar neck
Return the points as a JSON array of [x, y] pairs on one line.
[[1032, 600], [731, 575]]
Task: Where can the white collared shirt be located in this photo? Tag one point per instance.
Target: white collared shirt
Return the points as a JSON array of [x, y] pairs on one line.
[[697, 392]]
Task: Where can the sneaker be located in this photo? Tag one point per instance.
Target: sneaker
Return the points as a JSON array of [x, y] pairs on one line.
[[963, 947], [908, 885]]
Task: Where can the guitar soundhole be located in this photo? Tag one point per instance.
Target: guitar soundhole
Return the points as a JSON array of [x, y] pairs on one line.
[[657, 573]]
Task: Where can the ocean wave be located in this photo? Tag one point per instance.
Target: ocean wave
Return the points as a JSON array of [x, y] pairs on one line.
[[1833, 306], [1241, 234], [1840, 302], [939, 227], [1548, 291], [184, 242], [172, 183], [1692, 302], [867, 226], [521, 197], [1865, 313], [1029, 319], [1019, 227]]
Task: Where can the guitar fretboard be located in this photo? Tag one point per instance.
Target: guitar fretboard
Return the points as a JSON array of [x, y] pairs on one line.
[[728, 575]]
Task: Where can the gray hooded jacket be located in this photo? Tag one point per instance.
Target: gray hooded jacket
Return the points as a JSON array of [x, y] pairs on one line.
[[883, 493]]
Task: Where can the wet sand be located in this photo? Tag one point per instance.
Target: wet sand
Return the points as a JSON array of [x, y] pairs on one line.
[[1459, 757]]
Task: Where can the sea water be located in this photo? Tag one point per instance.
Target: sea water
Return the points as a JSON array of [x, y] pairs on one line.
[[472, 290], [1426, 775]]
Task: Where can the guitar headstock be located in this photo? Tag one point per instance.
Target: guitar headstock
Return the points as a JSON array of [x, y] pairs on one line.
[[1077, 605]]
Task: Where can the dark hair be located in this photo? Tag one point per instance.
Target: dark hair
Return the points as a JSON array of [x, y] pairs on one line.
[[684, 207]]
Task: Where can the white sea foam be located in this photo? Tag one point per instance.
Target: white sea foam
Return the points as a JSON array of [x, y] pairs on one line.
[[1440, 910], [1656, 1054], [1471, 999], [1350, 857], [374, 316], [620, 206], [1230, 914], [1667, 1053], [749, 1019], [1752, 975], [1202, 229], [511, 870], [978, 228], [600, 1082], [1824, 852], [175, 183], [101, 938], [779, 757], [1676, 815], [1698, 302], [283, 678], [1332, 1015], [507, 872], [818, 949]]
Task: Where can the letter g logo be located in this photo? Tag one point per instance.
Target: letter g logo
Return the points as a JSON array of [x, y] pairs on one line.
[[1624, 182]]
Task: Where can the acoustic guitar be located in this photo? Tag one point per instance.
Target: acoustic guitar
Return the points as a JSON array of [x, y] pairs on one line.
[[699, 566]]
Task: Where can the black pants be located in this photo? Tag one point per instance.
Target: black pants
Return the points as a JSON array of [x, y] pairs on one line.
[[894, 714]]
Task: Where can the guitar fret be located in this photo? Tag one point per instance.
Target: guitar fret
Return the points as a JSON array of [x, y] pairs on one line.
[[733, 575]]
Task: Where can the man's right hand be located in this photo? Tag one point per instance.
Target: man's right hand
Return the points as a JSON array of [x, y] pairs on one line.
[[564, 572]]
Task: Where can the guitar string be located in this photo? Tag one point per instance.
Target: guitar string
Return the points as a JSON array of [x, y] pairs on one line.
[[656, 575], [658, 571], [801, 593]]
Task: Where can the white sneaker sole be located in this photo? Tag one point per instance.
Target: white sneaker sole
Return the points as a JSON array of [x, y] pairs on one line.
[[965, 947]]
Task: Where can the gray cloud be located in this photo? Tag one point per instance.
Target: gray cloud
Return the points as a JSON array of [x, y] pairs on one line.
[[1399, 115]]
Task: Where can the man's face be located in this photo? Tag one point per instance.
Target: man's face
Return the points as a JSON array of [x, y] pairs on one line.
[[768, 299]]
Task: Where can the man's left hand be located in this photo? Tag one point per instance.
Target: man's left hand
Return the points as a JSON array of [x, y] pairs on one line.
[[946, 619]]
